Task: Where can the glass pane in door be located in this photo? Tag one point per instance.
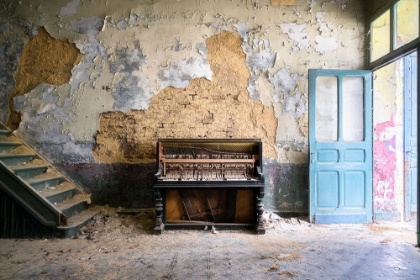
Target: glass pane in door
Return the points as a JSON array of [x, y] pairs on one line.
[[353, 109], [326, 120]]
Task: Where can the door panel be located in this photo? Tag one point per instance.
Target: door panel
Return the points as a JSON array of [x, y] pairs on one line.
[[327, 156], [354, 192], [328, 186], [354, 155], [340, 146]]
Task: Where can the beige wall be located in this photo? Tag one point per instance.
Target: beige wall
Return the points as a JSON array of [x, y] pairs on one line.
[[150, 69]]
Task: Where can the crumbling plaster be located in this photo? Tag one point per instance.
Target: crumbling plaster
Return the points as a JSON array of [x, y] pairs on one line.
[[388, 174], [132, 51]]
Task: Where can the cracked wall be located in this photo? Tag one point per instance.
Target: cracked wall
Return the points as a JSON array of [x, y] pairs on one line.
[[43, 60], [388, 142], [220, 108], [149, 69]]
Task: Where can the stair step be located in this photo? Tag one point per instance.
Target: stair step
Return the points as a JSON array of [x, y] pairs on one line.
[[43, 183], [11, 138], [4, 132], [12, 159], [49, 183], [21, 150], [60, 192], [7, 146], [27, 172], [74, 205], [34, 162], [75, 222]]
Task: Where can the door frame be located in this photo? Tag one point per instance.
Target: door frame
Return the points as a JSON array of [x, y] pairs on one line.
[[408, 95]]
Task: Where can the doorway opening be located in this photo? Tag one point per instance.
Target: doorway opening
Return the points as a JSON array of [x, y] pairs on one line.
[[395, 141]]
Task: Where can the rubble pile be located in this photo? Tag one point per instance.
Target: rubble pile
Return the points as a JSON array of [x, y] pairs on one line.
[[273, 221], [117, 221]]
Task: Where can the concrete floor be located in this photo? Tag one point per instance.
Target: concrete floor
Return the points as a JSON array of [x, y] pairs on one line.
[[123, 247]]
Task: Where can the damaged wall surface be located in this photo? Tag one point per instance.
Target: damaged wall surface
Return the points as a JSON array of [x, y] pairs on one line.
[[95, 82], [388, 173], [220, 108], [43, 60]]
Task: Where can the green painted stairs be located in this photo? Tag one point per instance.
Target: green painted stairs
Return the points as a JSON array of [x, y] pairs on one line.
[[40, 189]]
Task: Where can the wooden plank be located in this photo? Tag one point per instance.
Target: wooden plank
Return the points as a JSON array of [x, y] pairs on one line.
[[244, 207], [174, 208], [283, 2]]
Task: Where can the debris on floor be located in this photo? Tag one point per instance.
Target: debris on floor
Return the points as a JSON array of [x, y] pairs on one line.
[[273, 221], [110, 222], [121, 244]]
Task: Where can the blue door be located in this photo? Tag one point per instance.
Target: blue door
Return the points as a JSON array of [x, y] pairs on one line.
[[410, 135], [340, 146]]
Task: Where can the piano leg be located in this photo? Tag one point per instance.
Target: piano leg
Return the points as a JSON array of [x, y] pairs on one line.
[[160, 226], [259, 227]]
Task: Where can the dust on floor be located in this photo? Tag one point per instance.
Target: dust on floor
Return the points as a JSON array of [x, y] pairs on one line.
[[120, 246]]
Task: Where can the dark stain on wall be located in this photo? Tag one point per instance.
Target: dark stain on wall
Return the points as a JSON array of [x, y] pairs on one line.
[[131, 185], [117, 184], [287, 187]]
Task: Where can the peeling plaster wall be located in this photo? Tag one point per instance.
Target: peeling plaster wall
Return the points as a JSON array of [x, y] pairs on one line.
[[220, 108], [145, 69], [43, 60], [10, 50]]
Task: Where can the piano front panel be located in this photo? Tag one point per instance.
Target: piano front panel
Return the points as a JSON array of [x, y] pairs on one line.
[[212, 206]]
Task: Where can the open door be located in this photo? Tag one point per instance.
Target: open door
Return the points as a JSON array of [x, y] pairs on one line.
[[340, 146], [410, 135]]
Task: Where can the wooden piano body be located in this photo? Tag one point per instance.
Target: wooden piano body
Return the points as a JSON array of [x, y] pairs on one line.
[[209, 182]]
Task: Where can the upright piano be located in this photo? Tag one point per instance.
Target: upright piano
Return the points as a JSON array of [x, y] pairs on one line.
[[209, 183]]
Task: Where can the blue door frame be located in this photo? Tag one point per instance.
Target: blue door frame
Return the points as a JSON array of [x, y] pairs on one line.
[[340, 171], [410, 135]]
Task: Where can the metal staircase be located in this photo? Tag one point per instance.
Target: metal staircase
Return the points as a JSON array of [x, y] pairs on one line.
[[40, 189]]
